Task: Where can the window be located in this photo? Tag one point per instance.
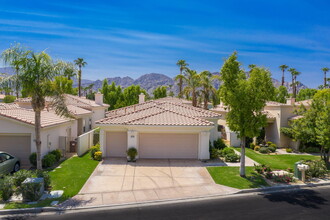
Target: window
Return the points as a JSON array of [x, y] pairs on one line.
[[4, 157]]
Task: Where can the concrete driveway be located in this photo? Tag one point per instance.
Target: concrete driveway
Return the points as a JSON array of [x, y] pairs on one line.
[[115, 181]]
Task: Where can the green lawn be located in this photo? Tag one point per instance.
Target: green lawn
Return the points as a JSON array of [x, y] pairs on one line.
[[70, 177], [229, 176], [277, 162]]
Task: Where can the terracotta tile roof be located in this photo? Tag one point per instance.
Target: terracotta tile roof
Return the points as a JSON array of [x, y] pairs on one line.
[[13, 111], [295, 117], [268, 114], [78, 111], [160, 112], [221, 108], [307, 102]]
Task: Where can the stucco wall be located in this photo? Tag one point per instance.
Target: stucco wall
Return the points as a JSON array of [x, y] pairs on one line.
[[98, 113]]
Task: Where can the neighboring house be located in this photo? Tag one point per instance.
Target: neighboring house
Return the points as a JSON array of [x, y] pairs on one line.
[[278, 116], [162, 128], [2, 97], [17, 132]]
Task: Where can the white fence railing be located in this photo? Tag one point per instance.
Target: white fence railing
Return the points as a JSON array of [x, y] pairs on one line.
[[84, 142]]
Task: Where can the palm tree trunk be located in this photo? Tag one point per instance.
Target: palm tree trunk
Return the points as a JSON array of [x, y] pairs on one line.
[[325, 79], [38, 141], [194, 98], [79, 82], [242, 165], [206, 101], [293, 86], [283, 78], [17, 83]]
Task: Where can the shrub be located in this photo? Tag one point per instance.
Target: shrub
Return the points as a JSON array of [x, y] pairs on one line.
[[30, 192], [273, 145], [288, 150], [20, 176], [269, 175], [227, 150], [317, 168], [252, 146], [94, 149], [9, 99], [257, 148], [48, 160], [98, 155], [219, 144], [264, 150], [6, 187], [57, 153], [45, 175], [272, 149], [261, 169], [312, 150], [33, 159], [132, 153], [215, 153], [232, 157], [268, 143], [284, 178]]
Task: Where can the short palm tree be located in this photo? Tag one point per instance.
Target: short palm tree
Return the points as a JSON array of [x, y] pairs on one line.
[[80, 63], [283, 68], [38, 71], [192, 79], [207, 88], [325, 70], [183, 65], [12, 57]]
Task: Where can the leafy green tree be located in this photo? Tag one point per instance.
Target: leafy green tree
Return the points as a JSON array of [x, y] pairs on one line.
[[283, 68], [131, 95], [64, 85], [12, 56], [246, 99], [305, 94], [192, 80], [160, 92], [325, 70], [251, 67], [207, 89], [80, 63], [37, 73], [281, 94], [9, 99], [182, 65]]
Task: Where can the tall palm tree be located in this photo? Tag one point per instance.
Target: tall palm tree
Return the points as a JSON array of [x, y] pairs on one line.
[[294, 74], [325, 70], [183, 65], [38, 71], [283, 68], [80, 63], [207, 88], [292, 71], [12, 57], [192, 79]]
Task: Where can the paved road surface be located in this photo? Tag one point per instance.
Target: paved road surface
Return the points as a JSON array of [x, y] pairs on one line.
[[311, 203]]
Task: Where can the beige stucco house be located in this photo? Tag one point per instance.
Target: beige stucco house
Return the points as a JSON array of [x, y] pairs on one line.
[[162, 128], [278, 116], [17, 133]]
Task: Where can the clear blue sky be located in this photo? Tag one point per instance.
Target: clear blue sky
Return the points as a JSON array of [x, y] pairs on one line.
[[132, 38]]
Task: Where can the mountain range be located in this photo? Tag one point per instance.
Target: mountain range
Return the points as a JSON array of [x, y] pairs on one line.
[[148, 81]]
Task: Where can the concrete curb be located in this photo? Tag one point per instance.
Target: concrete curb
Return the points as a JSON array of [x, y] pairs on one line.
[[157, 202]]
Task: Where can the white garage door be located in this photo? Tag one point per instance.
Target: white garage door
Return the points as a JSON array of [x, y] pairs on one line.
[[116, 144], [180, 146], [18, 146]]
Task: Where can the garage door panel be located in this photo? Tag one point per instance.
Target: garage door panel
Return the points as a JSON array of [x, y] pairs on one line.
[[18, 146], [183, 146], [116, 144]]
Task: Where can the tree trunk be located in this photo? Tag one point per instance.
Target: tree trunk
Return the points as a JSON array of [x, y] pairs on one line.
[[325, 80], [194, 99], [206, 101], [79, 83], [17, 83], [283, 78], [38, 141], [242, 166]]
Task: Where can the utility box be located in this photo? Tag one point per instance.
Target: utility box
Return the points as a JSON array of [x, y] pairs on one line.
[[32, 189], [297, 172]]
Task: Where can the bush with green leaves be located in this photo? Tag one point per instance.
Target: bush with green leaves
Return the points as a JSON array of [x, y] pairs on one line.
[[6, 187], [289, 150], [132, 153], [219, 144], [21, 175], [93, 150], [30, 192], [98, 156], [264, 150], [9, 99], [232, 157], [317, 168], [252, 146], [57, 153], [262, 168], [33, 159], [256, 148], [226, 151], [272, 149], [45, 176], [215, 153], [48, 160], [284, 178], [312, 150], [273, 145], [268, 143]]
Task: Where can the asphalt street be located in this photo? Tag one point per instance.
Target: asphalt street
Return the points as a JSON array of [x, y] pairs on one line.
[[311, 203]]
